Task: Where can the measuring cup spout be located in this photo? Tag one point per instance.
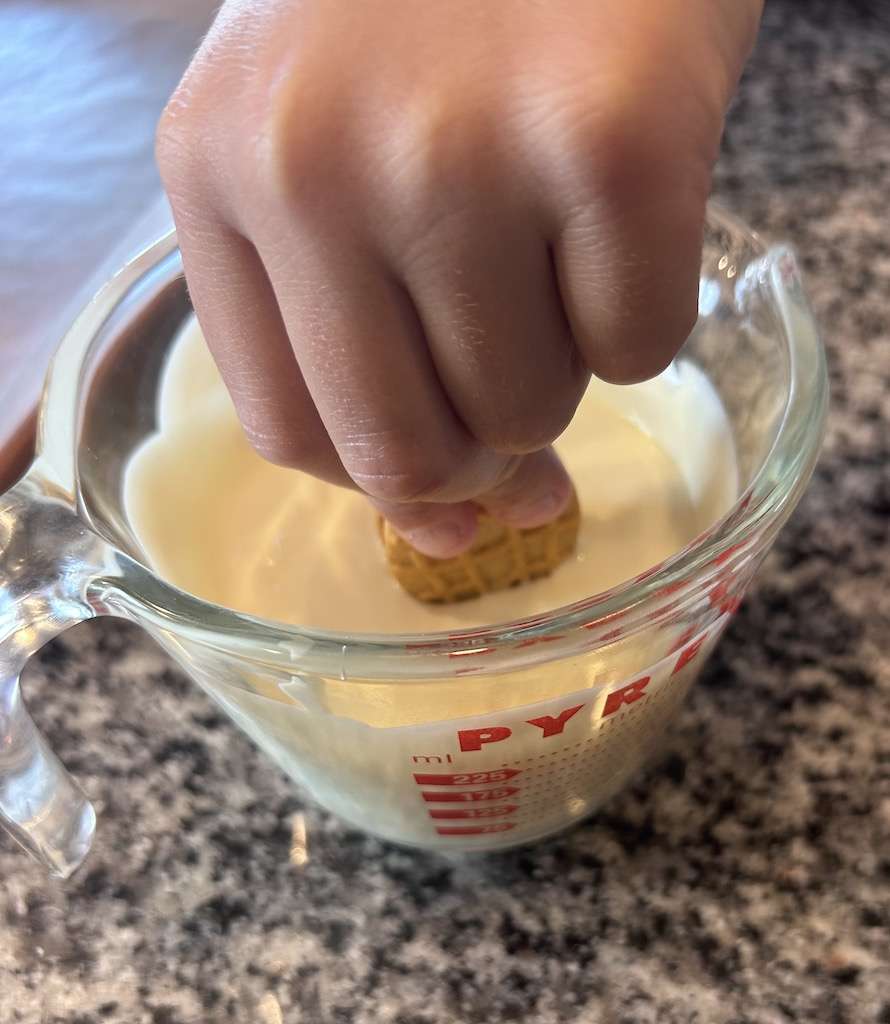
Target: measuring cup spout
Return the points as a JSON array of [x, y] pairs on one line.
[[47, 556]]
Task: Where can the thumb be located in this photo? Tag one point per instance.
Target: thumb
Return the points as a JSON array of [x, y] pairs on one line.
[[536, 490]]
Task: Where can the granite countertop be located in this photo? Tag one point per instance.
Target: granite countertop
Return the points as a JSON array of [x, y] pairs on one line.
[[746, 880]]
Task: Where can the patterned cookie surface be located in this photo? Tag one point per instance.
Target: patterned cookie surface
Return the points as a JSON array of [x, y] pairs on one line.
[[501, 557]]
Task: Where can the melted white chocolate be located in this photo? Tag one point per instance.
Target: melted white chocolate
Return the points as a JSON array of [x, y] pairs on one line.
[[653, 465]]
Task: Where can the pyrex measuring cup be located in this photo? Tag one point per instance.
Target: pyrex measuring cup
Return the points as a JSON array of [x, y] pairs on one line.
[[469, 741]]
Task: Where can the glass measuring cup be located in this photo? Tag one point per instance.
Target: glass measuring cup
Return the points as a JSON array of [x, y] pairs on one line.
[[467, 741]]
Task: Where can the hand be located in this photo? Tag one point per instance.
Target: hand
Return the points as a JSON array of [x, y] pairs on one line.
[[411, 229]]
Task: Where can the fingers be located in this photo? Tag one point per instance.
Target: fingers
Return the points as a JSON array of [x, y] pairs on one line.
[[395, 388], [434, 529], [367, 367], [239, 316], [629, 281], [490, 309], [626, 162], [448, 231], [629, 218], [535, 493]]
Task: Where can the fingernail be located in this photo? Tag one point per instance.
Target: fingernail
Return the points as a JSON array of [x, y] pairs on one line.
[[444, 539], [540, 510]]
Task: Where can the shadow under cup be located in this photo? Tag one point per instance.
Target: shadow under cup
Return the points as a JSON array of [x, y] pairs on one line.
[[471, 741]]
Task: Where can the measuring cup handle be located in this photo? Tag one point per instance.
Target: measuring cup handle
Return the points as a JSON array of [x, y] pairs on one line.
[[47, 556]]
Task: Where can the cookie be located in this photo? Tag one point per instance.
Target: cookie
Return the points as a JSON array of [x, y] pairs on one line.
[[501, 557]]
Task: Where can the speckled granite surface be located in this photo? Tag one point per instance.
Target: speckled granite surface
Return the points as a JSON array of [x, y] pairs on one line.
[[746, 881]]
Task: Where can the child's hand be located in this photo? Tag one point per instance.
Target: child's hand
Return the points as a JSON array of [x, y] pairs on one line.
[[412, 228]]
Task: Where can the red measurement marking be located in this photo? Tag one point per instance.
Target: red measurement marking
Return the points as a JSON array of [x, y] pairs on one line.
[[728, 553], [467, 637], [683, 640], [603, 619], [475, 830], [613, 634], [725, 597], [467, 778], [672, 588], [475, 812], [649, 572], [535, 640], [531, 621], [470, 795], [661, 612]]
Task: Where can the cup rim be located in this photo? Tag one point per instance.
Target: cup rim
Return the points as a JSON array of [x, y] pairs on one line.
[[757, 513]]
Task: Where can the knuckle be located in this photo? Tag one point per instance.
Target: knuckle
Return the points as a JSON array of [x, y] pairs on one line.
[[211, 140], [435, 167], [300, 153], [278, 450], [397, 482], [618, 156], [187, 146], [643, 352], [172, 140], [294, 449], [535, 421], [635, 145], [394, 469], [394, 485]]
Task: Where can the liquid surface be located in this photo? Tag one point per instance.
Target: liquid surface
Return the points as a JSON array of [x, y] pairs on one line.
[[653, 466]]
